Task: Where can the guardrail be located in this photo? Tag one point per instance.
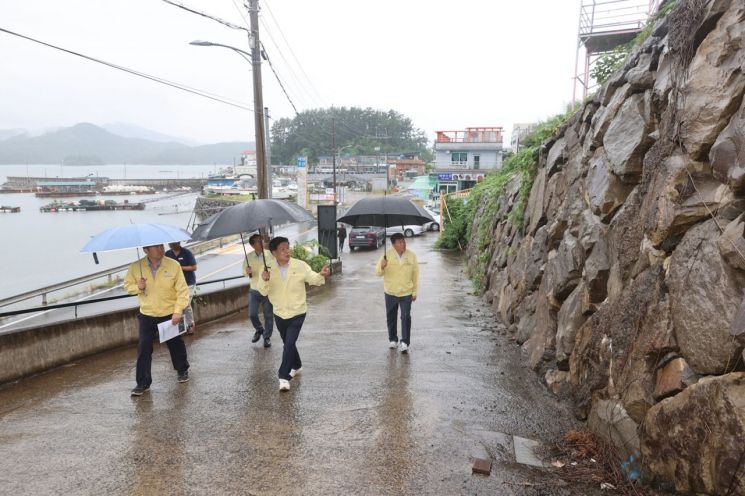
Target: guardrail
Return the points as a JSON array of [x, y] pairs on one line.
[[196, 248], [97, 300]]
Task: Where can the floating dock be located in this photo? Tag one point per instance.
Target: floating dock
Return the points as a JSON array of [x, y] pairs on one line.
[[90, 206]]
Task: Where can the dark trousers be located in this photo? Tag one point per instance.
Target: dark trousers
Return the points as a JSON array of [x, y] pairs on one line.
[[392, 304], [254, 300], [148, 333], [341, 243], [289, 331]]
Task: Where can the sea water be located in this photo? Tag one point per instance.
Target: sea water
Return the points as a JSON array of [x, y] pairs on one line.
[[40, 249]]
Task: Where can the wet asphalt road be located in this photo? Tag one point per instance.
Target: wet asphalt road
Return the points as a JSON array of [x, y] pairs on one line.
[[360, 419]]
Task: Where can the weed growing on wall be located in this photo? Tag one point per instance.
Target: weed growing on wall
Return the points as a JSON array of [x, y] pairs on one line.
[[483, 201]]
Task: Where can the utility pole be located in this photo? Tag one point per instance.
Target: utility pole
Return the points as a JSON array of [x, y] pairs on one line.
[[387, 169], [333, 159], [253, 40], [387, 173], [268, 154]]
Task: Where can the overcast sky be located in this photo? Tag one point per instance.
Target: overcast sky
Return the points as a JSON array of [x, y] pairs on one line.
[[446, 65]]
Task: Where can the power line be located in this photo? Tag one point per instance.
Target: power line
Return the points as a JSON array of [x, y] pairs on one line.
[[204, 14], [265, 55], [240, 12], [263, 52], [293, 75], [179, 86], [268, 8]]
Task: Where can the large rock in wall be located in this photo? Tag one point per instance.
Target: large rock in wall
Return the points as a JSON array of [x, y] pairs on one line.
[[624, 282], [704, 293], [693, 441], [713, 89]]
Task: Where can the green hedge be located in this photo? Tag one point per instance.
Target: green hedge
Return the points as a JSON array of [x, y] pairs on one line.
[[305, 253]]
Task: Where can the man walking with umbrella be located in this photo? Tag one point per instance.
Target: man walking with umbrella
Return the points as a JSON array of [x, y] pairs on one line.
[[253, 266], [286, 290], [400, 270], [159, 283]]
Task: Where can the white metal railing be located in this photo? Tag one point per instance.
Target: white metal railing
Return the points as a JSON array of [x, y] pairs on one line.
[[597, 17], [109, 273]]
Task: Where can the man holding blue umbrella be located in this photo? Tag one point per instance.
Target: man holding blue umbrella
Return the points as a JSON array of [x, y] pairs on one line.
[[159, 283]]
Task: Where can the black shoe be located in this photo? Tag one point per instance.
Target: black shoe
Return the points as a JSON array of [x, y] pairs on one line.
[[257, 336], [183, 376], [267, 343], [139, 390]]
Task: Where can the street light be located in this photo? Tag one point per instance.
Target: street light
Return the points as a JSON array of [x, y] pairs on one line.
[[242, 53], [262, 173]]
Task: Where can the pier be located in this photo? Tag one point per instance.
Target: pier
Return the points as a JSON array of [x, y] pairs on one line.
[[92, 206], [23, 184]]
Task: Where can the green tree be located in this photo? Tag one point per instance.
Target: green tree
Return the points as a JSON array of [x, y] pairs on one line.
[[361, 130]]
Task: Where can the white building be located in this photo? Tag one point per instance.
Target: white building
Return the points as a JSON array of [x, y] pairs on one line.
[[462, 158], [519, 132]]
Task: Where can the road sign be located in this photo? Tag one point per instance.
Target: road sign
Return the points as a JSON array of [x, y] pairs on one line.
[[301, 161]]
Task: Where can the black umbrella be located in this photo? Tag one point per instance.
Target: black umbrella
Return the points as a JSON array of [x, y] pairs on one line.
[[385, 211], [251, 216]]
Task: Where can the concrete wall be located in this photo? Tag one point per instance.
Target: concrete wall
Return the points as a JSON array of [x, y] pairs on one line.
[[33, 350]]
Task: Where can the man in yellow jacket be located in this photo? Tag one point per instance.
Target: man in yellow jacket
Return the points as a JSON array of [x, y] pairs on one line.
[[160, 286], [400, 270], [286, 290], [253, 267]]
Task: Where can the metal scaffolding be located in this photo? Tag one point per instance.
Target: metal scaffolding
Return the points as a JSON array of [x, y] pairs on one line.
[[604, 25]]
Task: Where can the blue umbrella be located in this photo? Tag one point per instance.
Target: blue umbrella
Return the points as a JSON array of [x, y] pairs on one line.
[[134, 236]]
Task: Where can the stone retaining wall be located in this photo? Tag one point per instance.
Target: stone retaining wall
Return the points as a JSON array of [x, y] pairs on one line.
[[624, 283]]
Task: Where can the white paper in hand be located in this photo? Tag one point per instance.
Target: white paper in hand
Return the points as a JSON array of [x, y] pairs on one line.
[[168, 331]]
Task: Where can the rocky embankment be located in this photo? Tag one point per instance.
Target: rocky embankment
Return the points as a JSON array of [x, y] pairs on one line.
[[205, 207], [624, 283]]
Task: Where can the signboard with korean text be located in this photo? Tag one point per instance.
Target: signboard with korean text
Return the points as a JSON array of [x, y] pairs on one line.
[[318, 197], [302, 182]]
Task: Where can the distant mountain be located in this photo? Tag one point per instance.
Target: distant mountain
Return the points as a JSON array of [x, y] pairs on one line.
[[87, 144], [9, 133], [132, 131]]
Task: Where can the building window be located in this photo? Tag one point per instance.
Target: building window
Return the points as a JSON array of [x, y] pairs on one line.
[[458, 158], [476, 161], [447, 188]]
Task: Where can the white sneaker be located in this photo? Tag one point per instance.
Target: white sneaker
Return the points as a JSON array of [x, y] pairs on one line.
[[392, 344], [294, 372], [404, 347], [284, 385]]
